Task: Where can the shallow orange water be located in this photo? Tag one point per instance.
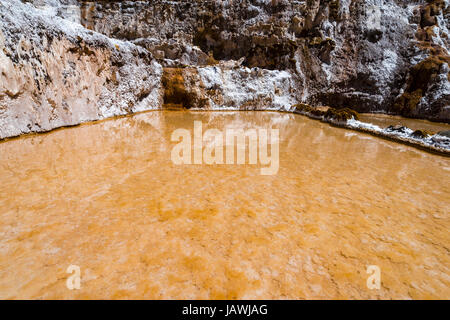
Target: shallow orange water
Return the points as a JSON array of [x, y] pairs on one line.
[[107, 198]]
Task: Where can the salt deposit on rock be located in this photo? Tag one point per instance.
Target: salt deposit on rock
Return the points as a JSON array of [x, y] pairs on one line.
[[252, 88], [69, 61], [56, 73]]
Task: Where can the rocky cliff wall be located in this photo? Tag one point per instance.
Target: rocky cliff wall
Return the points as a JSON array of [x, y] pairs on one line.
[[68, 61], [56, 73], [373, 55]]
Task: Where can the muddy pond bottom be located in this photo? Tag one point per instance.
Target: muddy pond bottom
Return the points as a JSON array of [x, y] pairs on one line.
[[107, 198]]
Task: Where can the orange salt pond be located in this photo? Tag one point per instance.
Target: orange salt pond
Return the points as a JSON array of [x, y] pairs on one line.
[[106, 197]]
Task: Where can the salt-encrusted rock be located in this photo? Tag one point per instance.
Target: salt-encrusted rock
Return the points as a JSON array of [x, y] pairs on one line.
[[365, 55], [441, 140], [372, 55], [397, 128], [56, 73], [226, 86]]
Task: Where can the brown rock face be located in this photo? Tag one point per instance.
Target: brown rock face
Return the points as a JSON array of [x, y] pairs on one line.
[[258, 31], [377, 56], [342, 53], [175, 93], [423, 93], [421, 77], [55, 73]]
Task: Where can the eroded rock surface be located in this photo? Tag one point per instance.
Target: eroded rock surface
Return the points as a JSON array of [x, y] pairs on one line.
[[56, 73], [370, 56]]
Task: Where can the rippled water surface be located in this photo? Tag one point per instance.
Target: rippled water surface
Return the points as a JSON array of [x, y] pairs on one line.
[[107, 197]]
